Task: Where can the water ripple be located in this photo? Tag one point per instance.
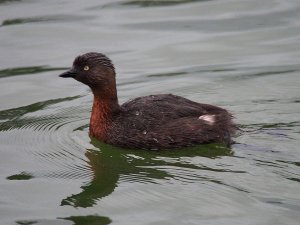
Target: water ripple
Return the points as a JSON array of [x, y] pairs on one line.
[[9, 72], [52, 18], [49, 136], [151, 3]]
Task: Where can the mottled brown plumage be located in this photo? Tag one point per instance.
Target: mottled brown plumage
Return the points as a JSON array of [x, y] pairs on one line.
[[153, 122]]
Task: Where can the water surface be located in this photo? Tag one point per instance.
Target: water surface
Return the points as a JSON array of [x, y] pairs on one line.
[[239, 54]]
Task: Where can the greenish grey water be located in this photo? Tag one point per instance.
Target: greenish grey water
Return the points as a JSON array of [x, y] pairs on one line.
[[239, 54]]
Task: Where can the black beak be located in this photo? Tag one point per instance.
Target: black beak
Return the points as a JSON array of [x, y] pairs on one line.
[[69, 73]]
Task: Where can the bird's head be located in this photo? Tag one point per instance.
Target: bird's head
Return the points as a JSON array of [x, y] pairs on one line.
[[93, 69]]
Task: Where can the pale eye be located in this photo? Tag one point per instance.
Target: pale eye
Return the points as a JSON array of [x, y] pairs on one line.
[[86, 68]]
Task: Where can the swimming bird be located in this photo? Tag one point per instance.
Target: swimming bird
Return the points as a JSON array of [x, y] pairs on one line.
[[153, 122]]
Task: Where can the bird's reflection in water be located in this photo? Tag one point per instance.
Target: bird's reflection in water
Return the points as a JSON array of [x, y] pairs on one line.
[[109, 163], [89, 220], [76, 220]]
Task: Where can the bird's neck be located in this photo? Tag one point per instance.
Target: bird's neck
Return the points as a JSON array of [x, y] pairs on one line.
[[105, 108]]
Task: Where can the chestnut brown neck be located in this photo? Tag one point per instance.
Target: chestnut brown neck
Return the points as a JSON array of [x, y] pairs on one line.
[[105, 107]]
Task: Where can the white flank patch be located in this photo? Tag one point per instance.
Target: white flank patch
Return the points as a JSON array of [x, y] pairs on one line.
[[210, 119]]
